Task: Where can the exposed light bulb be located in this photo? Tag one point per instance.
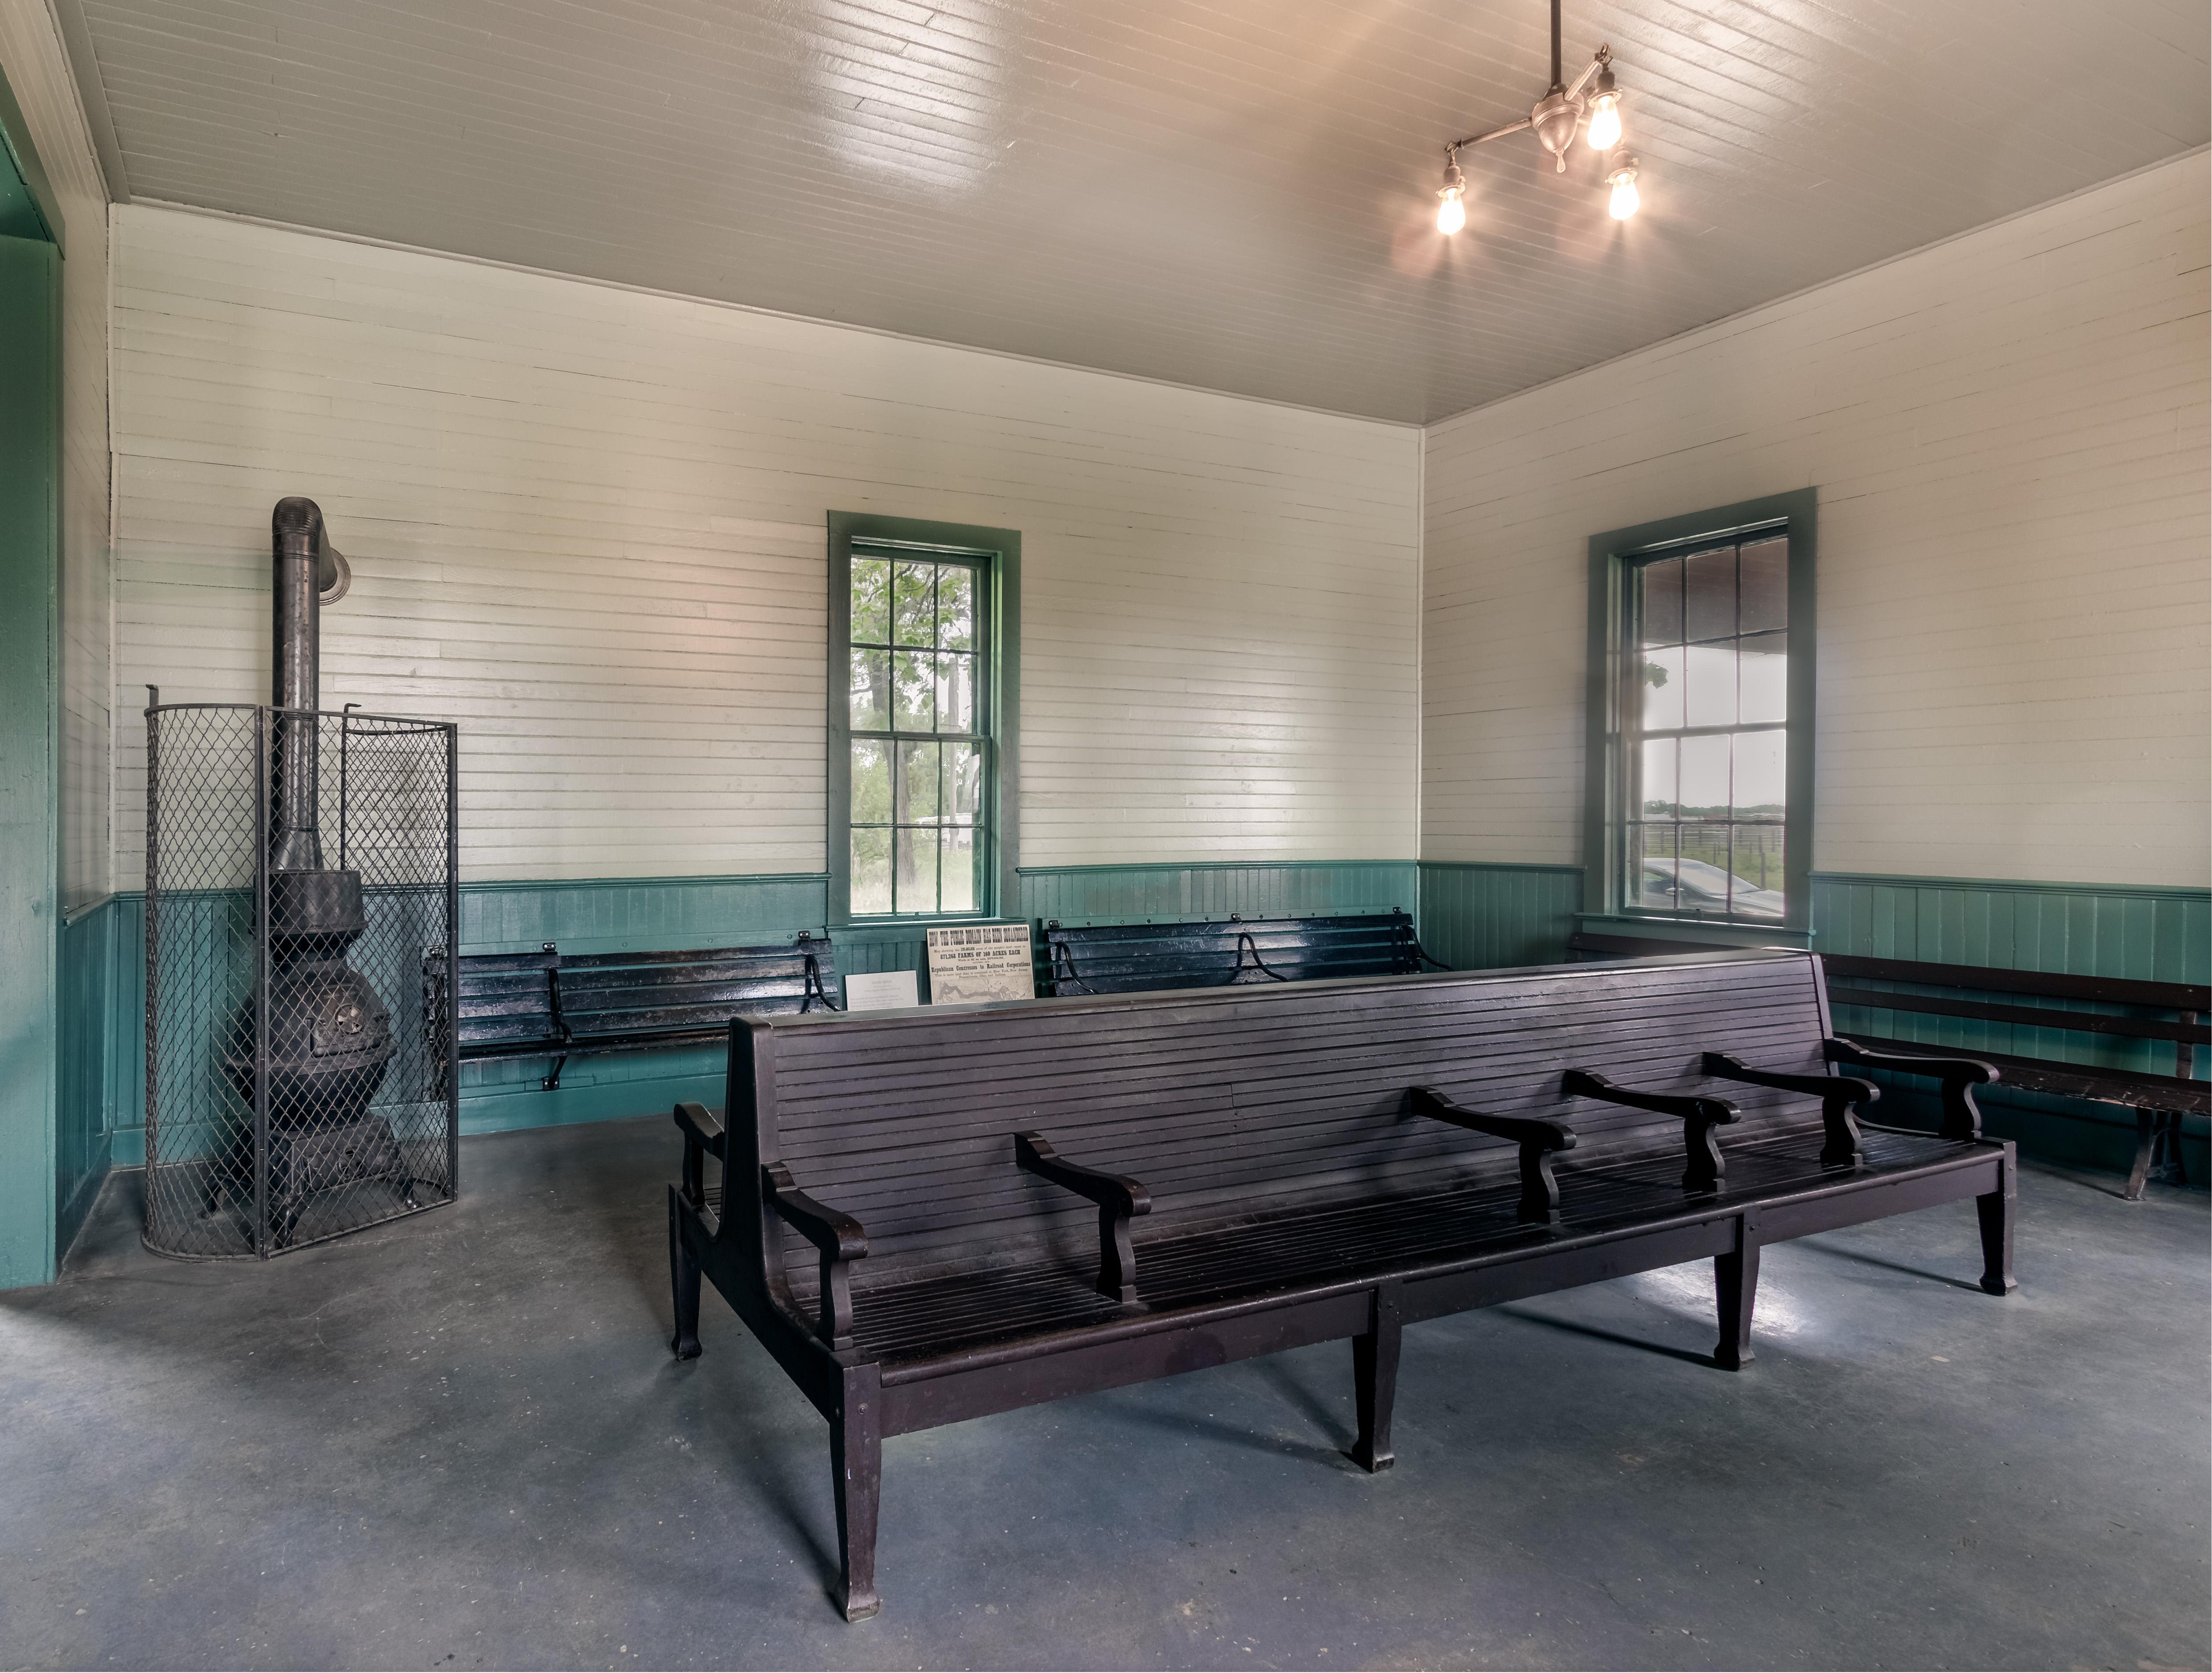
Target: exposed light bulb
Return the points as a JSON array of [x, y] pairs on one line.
[[1624, 201], [1605, 122], [1451, 213]]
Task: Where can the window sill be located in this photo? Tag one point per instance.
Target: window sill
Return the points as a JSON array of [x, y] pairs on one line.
[[1720, 932]]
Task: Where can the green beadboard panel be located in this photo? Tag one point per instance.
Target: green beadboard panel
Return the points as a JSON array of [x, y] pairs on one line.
[[1476, 916], [1149, 894], [87, 957], [630, 915]]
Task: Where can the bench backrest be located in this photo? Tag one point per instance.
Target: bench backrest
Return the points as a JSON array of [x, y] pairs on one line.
[[1138, 958], [511, 1004], [1228, 1102]]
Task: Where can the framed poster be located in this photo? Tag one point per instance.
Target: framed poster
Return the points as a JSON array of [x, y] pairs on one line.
[[984, 961]]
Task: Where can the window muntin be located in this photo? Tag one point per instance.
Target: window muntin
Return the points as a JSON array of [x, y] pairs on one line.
[[1706, 730], [919, 732]]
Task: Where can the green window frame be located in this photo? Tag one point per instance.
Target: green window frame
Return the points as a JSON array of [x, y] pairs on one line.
[[923, 719], [1702, 640]]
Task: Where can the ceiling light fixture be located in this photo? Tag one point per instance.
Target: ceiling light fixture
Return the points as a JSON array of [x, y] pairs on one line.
[[1555, 121]]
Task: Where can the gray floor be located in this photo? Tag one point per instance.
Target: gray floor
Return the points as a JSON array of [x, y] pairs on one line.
[[461, 1441]]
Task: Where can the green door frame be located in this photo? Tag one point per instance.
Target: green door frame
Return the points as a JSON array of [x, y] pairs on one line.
[[30, 707]]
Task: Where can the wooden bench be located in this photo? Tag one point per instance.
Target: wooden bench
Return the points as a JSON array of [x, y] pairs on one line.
[[1983, 995], [927, 1216], [1137, 957], [557, 1005]]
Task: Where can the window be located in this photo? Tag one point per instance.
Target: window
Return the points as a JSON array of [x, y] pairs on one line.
[[919, 733], [1705, 689]]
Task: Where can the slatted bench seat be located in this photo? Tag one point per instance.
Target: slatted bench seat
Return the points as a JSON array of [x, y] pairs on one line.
[[559, 1006], [1137, 957], [2006, 999], [927, 1216]]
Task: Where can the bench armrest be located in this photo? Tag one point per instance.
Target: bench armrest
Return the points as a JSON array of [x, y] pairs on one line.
[[1962, 1118], [1839, 1095], [1119, 1199], [841, 1239], [1699, 1117], [703, 1136], [1539, 1139]]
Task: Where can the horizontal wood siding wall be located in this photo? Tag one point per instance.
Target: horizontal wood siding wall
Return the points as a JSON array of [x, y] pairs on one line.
[[2008, 432], [588, 524], [1492, 917], [1145, 894]]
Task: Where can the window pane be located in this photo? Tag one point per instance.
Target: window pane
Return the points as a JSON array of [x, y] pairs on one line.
[[1701, 872], [1709, 594], [871, 688], [958, 889], [918, 793], [872, 782], [1706, 777], [1658, 797], [1651, 867], [1663, 688], [916, 852], [914, 607], [1662, 601], [872, 869], [871, 589], [1758, 868], [1766, 585], [956, 693], [1764, 677], [963, 782], [955, 608], [914, 690], [1761, 780], [1709, 684]]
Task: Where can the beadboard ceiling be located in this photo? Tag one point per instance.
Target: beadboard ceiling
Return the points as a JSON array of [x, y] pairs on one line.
[[1236, 194]]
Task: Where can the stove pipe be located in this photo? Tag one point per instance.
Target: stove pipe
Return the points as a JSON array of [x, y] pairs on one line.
[[295, 601]]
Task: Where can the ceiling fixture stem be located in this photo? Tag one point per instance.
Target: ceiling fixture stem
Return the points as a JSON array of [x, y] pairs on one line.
[[1557, 84]]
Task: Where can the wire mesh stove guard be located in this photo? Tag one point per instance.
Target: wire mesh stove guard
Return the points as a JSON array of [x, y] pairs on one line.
[[301, 1081]]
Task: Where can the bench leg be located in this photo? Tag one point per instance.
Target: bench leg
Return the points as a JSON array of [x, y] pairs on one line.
[[683, 1279], [856, 1464], [2145, 1142], [1375, 1381], [1996, 1210], [1736, 1279]]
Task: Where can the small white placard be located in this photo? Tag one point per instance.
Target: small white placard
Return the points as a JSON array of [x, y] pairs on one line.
[[983, 961], [881, 990]]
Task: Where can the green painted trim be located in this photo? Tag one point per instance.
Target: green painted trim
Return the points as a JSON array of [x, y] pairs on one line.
[[1497, 865], [1158, 866], [2183, 891], [1610, 563], [1004, 609], [30, 757], [44, 219]]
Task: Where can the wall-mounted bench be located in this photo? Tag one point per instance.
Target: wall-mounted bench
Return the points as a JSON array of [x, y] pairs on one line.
[[1982, 993], [927, 1216], [1140, 958], [558, 1006]]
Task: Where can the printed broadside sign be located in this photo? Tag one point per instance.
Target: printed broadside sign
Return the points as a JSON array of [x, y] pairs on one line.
[[981, 961]]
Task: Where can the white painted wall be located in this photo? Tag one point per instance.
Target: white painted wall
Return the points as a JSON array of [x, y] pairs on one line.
[[2009, 433], [588, 524], [39, 73]]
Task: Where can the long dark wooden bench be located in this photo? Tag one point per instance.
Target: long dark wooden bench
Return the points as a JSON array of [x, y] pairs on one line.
[[2151, 1017], [1084, 959], [559, 1006], [927, 1216]]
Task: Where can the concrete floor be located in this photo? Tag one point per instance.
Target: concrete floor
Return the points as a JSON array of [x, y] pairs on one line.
[[460, 1440]]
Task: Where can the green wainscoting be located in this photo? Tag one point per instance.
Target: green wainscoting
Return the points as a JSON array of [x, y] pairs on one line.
[[1144, 894], [1477, 917], [627, 915], [92, 1037]]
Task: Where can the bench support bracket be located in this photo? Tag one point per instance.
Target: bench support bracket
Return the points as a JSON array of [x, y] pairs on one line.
[[1995, 1211], [1736, 1281], [1119, 1199], [1374, 1379], [1698, 1116]]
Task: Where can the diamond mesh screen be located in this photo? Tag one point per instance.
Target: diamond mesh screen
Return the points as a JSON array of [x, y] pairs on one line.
[[297, 1033]]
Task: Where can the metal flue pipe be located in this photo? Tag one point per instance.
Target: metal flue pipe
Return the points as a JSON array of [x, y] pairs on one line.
[[295, 596]]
